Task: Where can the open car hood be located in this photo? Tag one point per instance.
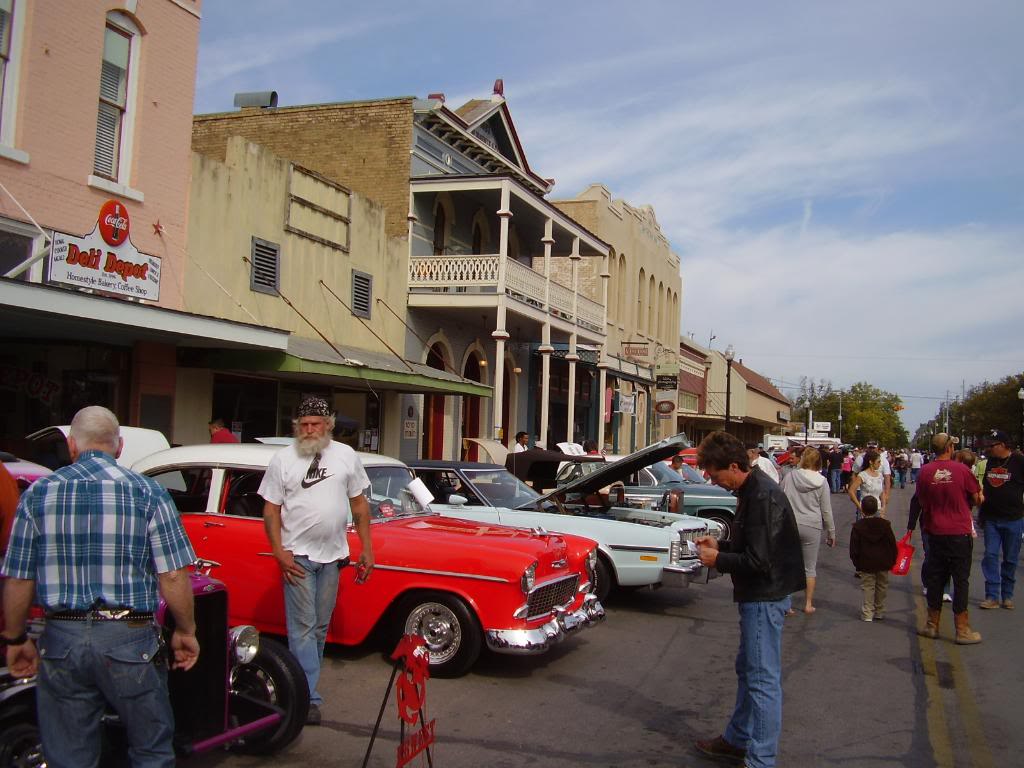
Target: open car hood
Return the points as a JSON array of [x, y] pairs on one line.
[[617, 470], [538, 466]]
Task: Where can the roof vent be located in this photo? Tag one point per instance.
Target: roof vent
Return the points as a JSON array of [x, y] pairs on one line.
[[499, 87], [256, 99], [436, 97]]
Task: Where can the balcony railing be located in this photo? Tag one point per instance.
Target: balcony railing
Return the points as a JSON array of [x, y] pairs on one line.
[[479, 274]]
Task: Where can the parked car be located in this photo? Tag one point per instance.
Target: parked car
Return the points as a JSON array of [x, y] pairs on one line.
[[636, 547], [24, 472], [459, 584], [245, 691], [648, 488]]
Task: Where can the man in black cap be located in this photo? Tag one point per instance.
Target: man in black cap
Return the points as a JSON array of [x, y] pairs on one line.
[[309, 489], [1002, 519]]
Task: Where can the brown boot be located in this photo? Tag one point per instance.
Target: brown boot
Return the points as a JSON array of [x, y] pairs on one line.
[[931, 629], [964, 634]]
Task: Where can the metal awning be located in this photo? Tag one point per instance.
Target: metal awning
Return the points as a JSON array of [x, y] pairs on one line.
[[34, 311]]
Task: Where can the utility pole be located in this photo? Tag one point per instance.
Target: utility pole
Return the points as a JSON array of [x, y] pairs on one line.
[[946, 423]]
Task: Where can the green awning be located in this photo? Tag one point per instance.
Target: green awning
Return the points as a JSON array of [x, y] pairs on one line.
[[315, 361]]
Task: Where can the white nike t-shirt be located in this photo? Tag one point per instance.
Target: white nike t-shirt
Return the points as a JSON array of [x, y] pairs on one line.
[[313, 496]]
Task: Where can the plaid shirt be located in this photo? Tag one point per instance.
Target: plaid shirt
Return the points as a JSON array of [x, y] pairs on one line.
[[95, 533]]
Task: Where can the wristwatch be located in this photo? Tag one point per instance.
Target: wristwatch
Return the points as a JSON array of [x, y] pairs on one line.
[[19, 640]]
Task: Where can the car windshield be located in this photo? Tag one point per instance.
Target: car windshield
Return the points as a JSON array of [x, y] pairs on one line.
[[500, 488], [692, 475], [388, 495], [664, 474]]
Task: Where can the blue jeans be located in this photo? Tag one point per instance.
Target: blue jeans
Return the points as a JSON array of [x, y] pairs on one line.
[[308, 608], [1000, 578], [86, 666], [757, 719], [913, 474], [833, 476]]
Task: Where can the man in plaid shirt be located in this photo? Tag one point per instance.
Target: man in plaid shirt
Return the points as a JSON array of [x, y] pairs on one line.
[[97, 545]]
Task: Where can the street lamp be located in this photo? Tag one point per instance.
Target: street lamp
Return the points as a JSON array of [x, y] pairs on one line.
[[1020, 396], [730, 353]]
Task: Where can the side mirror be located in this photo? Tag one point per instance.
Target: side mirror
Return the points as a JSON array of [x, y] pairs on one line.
[[457, 500]]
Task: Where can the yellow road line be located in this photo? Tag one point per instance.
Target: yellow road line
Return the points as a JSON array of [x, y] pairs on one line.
[[981, 756], [935, 715]]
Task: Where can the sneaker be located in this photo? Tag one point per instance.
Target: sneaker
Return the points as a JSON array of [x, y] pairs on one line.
[[1008, 605], [866, 618], [947, 598], [988, 603], [879, 616], [313, 717], [720, 749]]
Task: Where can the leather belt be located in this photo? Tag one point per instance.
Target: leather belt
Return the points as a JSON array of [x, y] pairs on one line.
[[101, 614]]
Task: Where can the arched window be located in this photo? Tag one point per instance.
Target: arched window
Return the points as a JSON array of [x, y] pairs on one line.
[[641, 294], [621, 313], [651, 300], [112, 151]]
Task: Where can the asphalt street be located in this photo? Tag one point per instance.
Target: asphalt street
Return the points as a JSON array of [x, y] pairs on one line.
[[658, 673]]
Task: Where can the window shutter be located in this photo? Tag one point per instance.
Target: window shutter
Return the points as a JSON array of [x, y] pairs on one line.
[[266, 262], [362, 294], [113, 83], [108, 136]]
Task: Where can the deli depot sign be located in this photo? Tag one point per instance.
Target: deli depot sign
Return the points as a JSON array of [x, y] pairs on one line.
[[105, 259]]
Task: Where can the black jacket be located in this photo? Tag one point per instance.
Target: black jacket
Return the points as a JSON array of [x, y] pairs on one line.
[[873, 545], [763, 556]]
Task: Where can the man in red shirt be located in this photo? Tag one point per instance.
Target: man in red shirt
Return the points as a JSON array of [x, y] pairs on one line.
[[221, 434], [947, 490]]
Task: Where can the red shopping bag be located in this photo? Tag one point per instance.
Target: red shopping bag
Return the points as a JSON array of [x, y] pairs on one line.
[[904, 555]]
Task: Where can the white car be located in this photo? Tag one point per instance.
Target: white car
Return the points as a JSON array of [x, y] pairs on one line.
[[636, 547]]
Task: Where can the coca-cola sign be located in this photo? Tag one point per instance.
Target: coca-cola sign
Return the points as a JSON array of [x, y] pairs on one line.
[[113, 223], [105, 259]]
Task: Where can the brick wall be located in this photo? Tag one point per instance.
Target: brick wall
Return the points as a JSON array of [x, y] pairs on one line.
[[362, 145]]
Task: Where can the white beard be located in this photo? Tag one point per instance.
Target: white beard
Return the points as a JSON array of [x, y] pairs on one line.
[[311, 445]]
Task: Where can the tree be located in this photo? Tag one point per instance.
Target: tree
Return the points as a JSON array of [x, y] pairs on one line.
[[985, 406], [868, 413]]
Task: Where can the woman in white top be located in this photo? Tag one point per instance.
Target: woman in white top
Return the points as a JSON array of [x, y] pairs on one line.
[[870, 482]]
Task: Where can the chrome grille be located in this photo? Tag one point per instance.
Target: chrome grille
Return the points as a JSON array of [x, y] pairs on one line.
[[551, 594], [693, 535]]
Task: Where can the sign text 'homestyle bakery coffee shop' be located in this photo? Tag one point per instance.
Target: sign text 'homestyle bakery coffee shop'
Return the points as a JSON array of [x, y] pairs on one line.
[[105, 259]]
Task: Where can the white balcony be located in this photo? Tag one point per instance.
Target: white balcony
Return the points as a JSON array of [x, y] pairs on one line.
[[478, 275]]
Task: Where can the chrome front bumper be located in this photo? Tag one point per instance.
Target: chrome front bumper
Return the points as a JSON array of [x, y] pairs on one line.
[[531, 641], [684, 574]]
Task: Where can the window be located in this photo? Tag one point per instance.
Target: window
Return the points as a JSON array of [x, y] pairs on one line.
[[110, 122], [266, 267], [12, 24], [6, 27], [362, 294], [189, 487]]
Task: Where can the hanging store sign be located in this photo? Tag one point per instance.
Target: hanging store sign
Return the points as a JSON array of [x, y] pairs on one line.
[[636, 349], [105, 259], [627, 403]]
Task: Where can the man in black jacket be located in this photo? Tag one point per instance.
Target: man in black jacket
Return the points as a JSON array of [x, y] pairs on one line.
[[766, 564]]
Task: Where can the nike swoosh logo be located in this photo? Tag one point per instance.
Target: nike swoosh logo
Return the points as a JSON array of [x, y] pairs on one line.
[[311, 483]]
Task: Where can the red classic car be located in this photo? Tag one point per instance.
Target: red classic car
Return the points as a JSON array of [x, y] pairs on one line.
[[457, 583]]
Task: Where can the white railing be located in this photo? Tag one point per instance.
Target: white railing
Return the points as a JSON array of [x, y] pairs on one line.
[[453, 272], [477, 274]]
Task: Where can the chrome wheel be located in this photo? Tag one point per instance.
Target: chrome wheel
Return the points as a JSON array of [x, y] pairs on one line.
[[438, 625]]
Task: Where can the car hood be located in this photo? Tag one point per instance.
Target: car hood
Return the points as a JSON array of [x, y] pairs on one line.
[[618, 470], [435, 541]]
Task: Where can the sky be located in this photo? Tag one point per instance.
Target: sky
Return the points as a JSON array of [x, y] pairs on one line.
[[843, 182]]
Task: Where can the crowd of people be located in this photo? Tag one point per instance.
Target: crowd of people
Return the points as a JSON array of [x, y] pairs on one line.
[[785, 506]]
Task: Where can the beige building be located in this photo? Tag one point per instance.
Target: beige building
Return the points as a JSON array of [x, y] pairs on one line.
[[643, 302], [278, 245]]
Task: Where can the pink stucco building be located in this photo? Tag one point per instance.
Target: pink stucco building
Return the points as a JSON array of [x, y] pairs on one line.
[[95, 133]]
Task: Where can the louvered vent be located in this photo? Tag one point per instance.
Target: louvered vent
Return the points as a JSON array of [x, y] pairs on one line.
[[266, 266], [362, 293]]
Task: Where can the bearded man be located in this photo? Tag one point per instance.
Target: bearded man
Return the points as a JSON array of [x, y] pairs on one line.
[[309, 490]]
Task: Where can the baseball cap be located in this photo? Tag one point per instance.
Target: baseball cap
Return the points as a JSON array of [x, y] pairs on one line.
[[313, 406], [942, 441], [994, 436]]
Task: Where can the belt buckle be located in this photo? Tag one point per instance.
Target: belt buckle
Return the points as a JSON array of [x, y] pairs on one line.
[[113, 614]]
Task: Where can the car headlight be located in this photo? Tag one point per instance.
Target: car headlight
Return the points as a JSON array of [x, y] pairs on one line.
[[244, 643], [529, 578], [675, 551]]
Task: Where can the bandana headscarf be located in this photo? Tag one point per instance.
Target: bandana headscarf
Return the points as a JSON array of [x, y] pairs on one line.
[[313, 406]]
